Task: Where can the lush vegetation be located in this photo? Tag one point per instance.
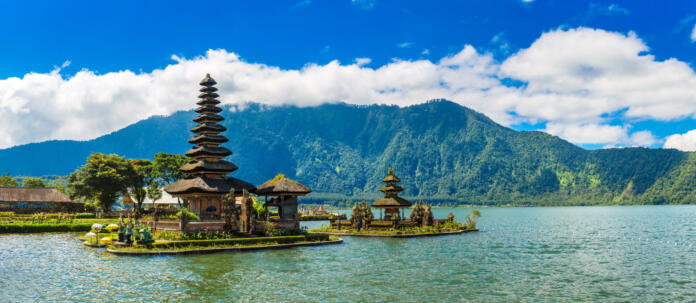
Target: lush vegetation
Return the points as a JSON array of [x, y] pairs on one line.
[[440, 150], [39, 228]]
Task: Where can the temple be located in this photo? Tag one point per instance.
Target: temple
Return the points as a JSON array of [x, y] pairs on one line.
[[391, 203], [208, 184], [284, 192]]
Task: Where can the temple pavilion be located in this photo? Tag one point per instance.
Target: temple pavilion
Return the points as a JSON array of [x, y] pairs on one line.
[[284, 192], [391, 203], [208, 183]]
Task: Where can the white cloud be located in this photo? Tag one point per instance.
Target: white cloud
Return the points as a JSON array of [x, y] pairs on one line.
[[579, 75], [425, 52], [684, 142], [362, 61], [693, 34], [573, 80], [404, 45]]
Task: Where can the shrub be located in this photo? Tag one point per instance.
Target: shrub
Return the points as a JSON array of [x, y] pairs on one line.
[[85, 215], [188, 215]]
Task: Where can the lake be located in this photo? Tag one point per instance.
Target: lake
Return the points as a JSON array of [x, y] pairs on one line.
[[638, 253]]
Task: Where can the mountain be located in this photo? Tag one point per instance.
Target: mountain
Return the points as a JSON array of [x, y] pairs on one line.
[[439, 149]]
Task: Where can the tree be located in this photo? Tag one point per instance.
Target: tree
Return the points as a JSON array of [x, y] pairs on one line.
[[154, 192], [59, 183], [8, 181], [143, 176], [165, 167], [33, 182], [103, 177]]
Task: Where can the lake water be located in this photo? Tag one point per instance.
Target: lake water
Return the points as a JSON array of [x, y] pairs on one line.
[[609, 254]]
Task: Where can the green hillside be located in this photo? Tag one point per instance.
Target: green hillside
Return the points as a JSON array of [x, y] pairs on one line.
[[440, 150]]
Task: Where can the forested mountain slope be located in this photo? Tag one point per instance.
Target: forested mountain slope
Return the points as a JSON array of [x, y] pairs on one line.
[[439, 149]]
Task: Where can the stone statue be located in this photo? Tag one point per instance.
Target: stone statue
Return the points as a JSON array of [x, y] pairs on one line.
[[417, 213], [427, 216], [121, 228]]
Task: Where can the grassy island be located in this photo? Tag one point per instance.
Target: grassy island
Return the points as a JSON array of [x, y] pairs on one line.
[[446, 228], [218, 245], [420, 223]]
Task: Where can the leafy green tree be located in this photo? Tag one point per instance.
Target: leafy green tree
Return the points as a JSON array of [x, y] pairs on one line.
[[59, 183], [143, 176], [165, 167], [103, 178], [33, 182], [154, 192], [8, 181]]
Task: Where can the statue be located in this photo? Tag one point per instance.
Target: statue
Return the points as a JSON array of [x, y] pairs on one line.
[[356, 217], [417, 213], [427, 216], [146, 236], [121, 228], [129, 230], [229, 211]]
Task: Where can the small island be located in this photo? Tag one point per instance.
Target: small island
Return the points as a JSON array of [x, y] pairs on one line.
[[217, 212], [392, 221]]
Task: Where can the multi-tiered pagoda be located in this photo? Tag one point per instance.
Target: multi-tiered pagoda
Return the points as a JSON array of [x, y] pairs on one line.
[[391, 203], [208, 182]]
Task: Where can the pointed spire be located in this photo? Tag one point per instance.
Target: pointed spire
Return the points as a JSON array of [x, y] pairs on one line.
[[208, 152]]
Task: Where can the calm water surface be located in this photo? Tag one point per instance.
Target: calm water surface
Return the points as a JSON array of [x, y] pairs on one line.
[[609, 254]]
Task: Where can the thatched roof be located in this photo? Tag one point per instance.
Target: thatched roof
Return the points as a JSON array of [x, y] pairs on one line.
[[391, 202], [220, 166], [208, 185], [208, 109], [208, 128], [208, 81], [208, 151], [282, 185], [207, 139], [208, 118], [33, 195], [394, 188], [390, 177]]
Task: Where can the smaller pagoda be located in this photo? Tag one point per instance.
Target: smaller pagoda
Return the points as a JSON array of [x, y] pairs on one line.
[[284, 192], [391, 203]]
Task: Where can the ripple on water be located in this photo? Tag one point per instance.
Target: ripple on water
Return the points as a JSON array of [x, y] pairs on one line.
[[521, 254]]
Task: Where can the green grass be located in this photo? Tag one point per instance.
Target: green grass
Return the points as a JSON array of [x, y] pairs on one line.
[[39, 228], [225, 243]]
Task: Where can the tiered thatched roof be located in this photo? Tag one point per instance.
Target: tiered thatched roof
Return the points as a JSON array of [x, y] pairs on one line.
[[282, 186], [209, 172], [391, 191]]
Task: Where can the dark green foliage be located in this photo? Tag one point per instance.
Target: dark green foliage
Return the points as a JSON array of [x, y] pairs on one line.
[[165, 167], [33, 182], [39, 228], [8, 181], [440, 150], [104, 178]]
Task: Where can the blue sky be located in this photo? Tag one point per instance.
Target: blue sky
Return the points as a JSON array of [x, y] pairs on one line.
[[55, 39]]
